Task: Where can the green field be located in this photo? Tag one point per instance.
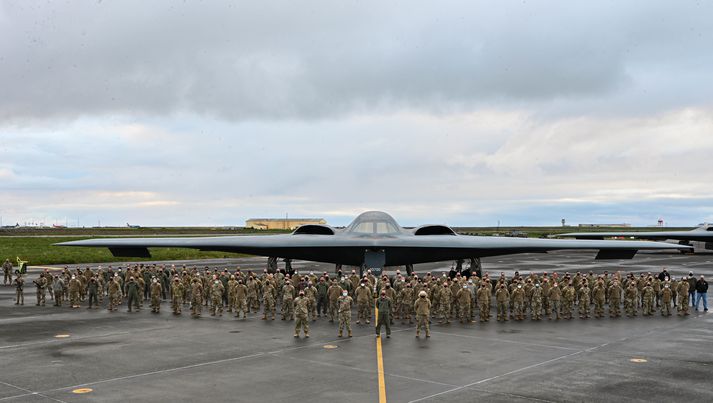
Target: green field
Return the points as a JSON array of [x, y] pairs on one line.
[[39, 251]]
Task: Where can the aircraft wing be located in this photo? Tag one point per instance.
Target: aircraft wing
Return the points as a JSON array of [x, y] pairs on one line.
[[392, 250], [653, 235]]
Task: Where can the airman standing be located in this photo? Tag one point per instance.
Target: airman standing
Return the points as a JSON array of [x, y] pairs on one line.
[[156, 290], [344, 306], [177, 293], [363, 297], [422, 307], [301, 312]]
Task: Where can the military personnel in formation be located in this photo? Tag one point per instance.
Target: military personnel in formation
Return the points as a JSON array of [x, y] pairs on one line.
[[614, 296], [7, 271], [536, 302], [58, 287], [502, 299], [311, 295], [287, 307], [554, 297], [518, 302], [363, 297], [464, 297], [599, 296], [344, 306], [666, 297], [301, 311], [334, 292], [232, 284], [384, 310], [483, 296], [241, 299], [133, 295], [216, 293], [322, 297], [114, 289], [649, 300], [93, 293], [252, 298], [74, 291], [683, 296], [445, 297], [156, 290], [19, 290], [177, 293], [584, 300], [196, 298], [630, 299], [268, 300], [568, 296], [406, 301], [422, 307], [41, 287]]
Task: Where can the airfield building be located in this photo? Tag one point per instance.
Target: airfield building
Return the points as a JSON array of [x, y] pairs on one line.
[[281, 223]]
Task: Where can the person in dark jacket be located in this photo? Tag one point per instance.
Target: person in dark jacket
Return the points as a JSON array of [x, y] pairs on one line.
[[702, 291]]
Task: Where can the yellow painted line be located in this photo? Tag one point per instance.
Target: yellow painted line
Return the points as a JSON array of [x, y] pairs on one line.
[[61, 336], [380, 363], [82, 391]]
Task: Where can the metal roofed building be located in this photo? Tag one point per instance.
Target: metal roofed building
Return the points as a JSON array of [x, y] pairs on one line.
[[281, 223]]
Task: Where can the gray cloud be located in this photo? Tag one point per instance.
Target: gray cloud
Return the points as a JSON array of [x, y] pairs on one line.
[[242, 60]]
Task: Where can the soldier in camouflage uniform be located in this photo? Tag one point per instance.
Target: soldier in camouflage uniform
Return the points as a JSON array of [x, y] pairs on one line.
[[568, 297], [484, 301], [630, 299], [599, 298], [177, 293], [196, 297], [536, 302], [288, 301], [268, 300], [345, 313], [422, 307], [363, 297], [74, 292], [554, 296], [683, 297], [41, 286], [301, 312], [217, 291], [584, 300], [445, 303], [518, 302], [156, 290], [649, 300], [406, 300], [502, 298], [252, 297], [115, 294], [241, 301], [333, 294], [614, 299], [464, 300], [666, 297]]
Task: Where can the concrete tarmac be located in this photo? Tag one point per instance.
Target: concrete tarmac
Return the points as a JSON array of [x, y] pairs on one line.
[[53, 354]]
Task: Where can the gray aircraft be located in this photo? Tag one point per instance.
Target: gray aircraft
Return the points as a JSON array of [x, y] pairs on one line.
[[703, 233], [373, 240]]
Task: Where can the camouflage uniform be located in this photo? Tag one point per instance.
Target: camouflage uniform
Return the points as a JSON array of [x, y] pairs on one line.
[[683, 298], [216, 293], [584, 301], [614, 299], [649, 300], [288, 302], [536, 302], [554, 296], [156, 290], [568, 296], [599, 292], [241, 302], [502, 298], [196, 298], [177, 293], [464, 301], [345, 314], [406, 300], [268, 300], [666, 297], [301, 312], [422, 307], [484, 302], [445, 304], [630, 300], [19, 290], [363, 297]]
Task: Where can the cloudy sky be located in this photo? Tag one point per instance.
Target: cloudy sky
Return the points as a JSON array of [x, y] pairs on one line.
[[464, 113]]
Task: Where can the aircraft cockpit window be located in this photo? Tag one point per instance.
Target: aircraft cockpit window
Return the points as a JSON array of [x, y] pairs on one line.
[[372, 227]]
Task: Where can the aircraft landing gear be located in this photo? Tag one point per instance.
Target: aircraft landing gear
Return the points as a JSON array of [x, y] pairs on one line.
[[409, 269]]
